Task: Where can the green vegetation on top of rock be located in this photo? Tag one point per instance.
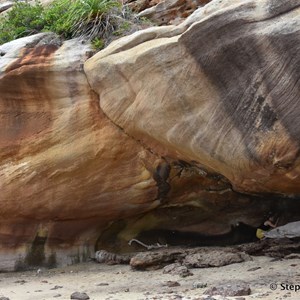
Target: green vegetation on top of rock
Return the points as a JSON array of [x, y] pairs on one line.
[[87, 18]]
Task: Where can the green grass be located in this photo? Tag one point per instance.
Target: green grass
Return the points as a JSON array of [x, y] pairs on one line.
[[22, 20], [89, 19]]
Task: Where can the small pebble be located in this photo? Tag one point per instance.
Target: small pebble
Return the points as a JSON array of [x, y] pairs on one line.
[[57, 287], [199, 285], [20, 281], [254, 269], [102, 284], [80, 296]]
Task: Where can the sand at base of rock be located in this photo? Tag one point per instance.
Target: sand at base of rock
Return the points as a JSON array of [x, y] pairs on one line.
[[103, 282]]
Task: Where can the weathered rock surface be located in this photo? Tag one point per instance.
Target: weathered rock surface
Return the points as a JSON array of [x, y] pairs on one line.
[[166, 11], [173, 259], [214, 258], [278, 248], [179, 117], [79, 296], [177, 269], [290, 230], [66, 170], [156, 259], [222, 94]]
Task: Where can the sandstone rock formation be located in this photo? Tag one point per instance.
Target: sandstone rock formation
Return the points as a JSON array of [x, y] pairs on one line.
[[65, 170], [184, 118], [221, 95], [165, 11]]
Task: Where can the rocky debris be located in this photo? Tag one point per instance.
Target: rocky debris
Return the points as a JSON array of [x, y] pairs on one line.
[[103, 256], [57, 295], [277, 248], [230, 289], [177, 269], [79, 296], [155, 259], [178, 260], [4, 298], [214, 258]]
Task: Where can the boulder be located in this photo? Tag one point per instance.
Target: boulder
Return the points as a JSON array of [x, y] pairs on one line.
[[156, 259], [290, 230], [222, 93], [65, 169], [214, 258]]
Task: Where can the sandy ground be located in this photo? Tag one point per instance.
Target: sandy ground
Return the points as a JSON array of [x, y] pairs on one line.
[[102, 282]]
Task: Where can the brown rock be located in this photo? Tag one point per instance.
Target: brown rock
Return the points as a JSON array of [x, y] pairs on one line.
[[177, 269], [214, 258], [65, 169], [79, 296], [206, 98], [166, 11], [155, 259], [138, 5]]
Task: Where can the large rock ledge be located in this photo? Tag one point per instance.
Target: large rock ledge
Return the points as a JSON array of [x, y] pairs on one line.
[[222, 93], [180, 118]]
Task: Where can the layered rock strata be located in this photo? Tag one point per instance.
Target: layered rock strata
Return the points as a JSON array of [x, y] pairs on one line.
[[180, 118], [65, 170]]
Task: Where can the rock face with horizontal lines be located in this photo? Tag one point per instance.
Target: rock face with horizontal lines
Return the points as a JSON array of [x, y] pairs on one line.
[[66, 170], [173, 127]]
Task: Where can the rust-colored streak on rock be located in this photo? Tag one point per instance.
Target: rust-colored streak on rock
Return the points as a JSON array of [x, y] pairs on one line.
[[38, 55], [63, 164], [24, 105]]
